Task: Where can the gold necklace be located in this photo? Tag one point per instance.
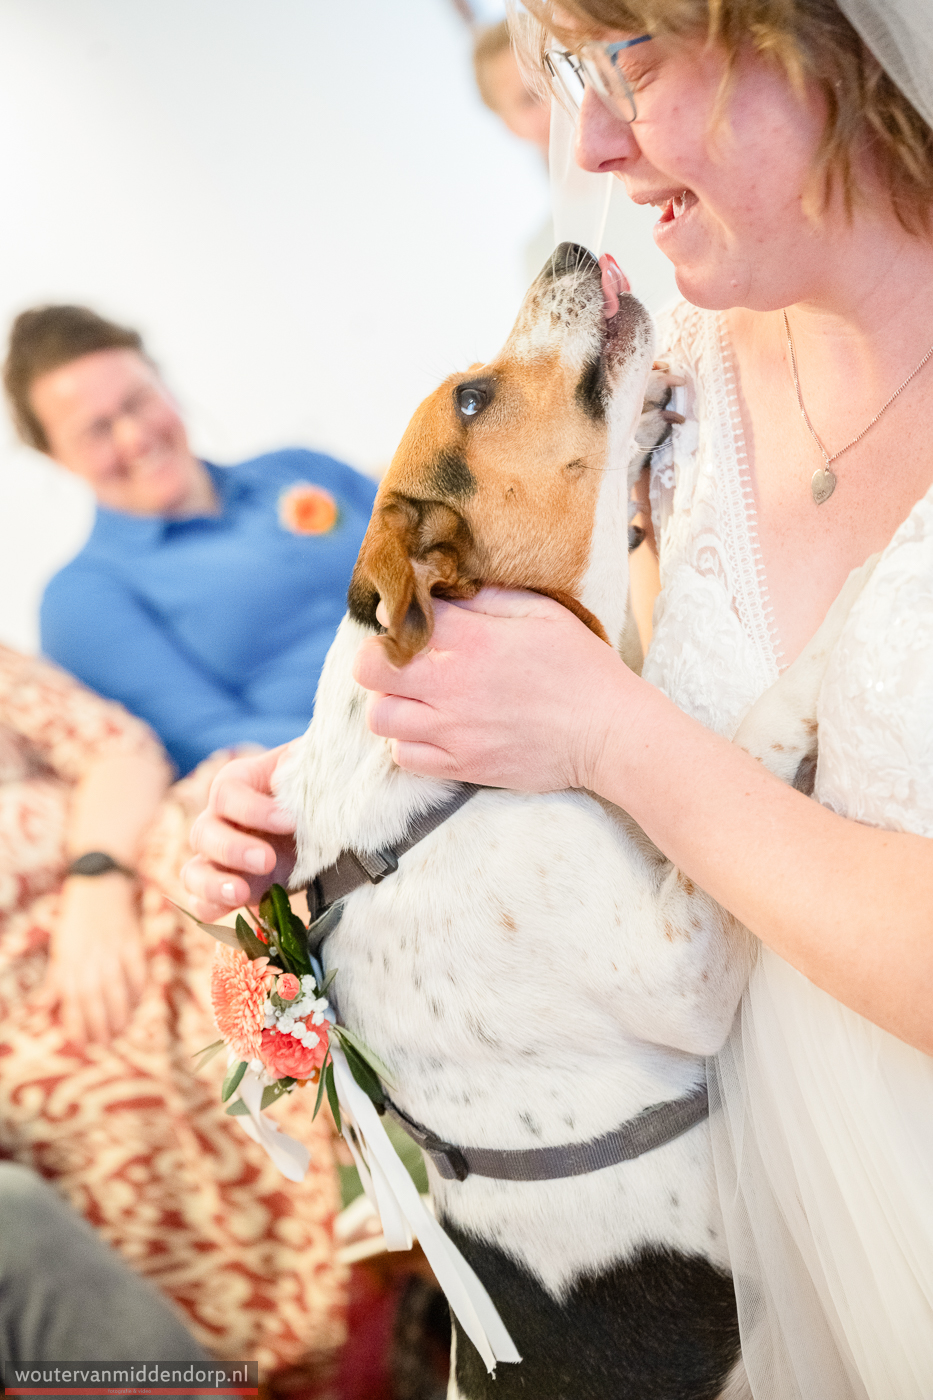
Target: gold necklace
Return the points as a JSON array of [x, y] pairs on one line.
[[823, 482]]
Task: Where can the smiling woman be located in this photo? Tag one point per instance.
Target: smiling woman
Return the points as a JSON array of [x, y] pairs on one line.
[[158, 610]]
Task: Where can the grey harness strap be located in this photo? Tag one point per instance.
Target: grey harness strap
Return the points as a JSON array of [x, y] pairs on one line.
[[653, 1127], [352, 869]]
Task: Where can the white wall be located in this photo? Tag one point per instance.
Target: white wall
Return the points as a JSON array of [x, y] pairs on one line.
[[303, 206]]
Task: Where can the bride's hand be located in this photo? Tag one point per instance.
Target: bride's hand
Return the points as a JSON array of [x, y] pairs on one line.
[[514, 691], [243, 840]]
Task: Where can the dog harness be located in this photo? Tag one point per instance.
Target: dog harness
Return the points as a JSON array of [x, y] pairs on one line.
[[653, 1127]]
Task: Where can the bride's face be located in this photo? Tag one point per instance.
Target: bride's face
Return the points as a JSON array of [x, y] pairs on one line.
[[729, 187]]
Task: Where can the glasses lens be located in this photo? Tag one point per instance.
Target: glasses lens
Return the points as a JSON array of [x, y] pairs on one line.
[[566, 77], [603, 74]]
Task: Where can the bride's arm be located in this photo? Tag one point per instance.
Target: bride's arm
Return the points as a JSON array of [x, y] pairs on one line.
[[516, 692]]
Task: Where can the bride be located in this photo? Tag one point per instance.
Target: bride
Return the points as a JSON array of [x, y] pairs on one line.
[[786, 146]]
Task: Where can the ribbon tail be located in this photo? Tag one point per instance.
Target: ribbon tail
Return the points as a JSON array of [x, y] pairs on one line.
[[290, 1156], [395, 1227], [468, 1298]]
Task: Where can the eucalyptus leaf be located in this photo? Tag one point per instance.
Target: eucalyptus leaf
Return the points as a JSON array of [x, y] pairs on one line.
[[320, 1092], [252, 946], [238, 1109], [363, 1050], [205, 1056], [364, 1076], [324, 988], [271, 1093], [218, 931], [232, 1081], [332, 1099]]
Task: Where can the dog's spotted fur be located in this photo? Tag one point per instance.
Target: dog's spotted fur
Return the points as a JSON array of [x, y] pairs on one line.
[[536, 973]]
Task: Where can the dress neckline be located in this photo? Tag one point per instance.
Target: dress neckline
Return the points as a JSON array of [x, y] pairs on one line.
[[754, 596]]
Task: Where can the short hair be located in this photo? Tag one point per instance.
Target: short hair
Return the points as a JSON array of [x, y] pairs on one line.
[[45, 338], [813, 42], [489, 42]]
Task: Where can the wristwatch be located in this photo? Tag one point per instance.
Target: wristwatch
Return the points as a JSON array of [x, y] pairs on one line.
[[98, 863]]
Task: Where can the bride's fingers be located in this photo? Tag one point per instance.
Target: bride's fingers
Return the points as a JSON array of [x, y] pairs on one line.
[[226, 845], [427, 760], [395, 717]]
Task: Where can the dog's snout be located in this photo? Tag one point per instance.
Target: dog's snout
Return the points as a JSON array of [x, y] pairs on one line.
[[569, 258]]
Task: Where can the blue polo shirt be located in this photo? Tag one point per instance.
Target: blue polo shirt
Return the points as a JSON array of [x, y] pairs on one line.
[[213, 629]]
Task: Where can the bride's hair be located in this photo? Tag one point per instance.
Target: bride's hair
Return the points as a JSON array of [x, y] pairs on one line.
[[814, 43]]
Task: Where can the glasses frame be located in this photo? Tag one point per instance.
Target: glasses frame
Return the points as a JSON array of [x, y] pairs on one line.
[[586, 66]]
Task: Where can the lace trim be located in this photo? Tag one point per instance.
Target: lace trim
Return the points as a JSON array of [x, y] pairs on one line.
[[740, 537]]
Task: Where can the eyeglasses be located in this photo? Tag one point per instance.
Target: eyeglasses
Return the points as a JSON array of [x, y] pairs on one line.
[[594, 65]]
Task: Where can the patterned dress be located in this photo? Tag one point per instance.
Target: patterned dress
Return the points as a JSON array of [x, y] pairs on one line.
[[130, 1135]]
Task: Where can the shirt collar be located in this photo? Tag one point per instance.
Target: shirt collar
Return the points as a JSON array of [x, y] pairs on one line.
[[141, 530]]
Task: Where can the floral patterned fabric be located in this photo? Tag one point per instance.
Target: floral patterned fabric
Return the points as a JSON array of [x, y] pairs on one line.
[[136, 1141]]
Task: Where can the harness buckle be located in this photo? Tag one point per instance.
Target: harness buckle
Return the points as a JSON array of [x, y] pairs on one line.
[[449, 1160], [376, 865]]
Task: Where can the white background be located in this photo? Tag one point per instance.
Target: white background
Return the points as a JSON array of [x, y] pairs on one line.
[[302, 205]]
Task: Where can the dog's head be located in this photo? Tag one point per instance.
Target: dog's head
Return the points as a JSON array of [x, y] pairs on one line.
[[503, 471]]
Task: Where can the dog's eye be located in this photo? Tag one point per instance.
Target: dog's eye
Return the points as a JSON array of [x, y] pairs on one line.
[[470, 401]]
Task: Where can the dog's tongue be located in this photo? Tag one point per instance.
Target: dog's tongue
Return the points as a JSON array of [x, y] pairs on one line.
[[614, 282]]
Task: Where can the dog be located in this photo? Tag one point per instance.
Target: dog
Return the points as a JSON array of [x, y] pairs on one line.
[[535, 972]]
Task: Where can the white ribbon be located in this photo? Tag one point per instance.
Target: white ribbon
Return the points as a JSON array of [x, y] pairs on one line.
[[291, 1157], [403, 1214], [395, 1197]]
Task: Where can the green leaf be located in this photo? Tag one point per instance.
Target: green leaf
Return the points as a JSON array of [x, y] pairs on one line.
[[363, 1050], [320, 1092], [273, 1092], [267, 909], [291, 932], [324, 988], [238, 1109], [231, 1083], [364, 1076], [252, 946], [332, 1099], [218, 931], [205, 1056]]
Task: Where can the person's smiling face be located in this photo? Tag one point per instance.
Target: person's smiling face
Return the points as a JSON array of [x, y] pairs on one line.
[[109, 419], [730, 185]]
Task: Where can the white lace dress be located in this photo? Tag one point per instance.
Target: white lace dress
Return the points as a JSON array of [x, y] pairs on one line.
[[824, 1130]]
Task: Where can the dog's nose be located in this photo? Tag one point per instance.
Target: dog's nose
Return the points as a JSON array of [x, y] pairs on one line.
[[570, 257]]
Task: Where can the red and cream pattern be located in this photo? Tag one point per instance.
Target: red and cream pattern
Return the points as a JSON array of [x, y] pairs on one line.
[[135, 1140]]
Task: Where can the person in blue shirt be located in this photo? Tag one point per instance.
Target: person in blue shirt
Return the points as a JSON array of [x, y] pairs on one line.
[[206, 597]]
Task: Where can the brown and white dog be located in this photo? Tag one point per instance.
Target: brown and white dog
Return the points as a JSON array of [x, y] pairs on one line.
[[536, 973]]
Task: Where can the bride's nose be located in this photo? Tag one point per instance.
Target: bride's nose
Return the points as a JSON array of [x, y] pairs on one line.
[[604, 142]]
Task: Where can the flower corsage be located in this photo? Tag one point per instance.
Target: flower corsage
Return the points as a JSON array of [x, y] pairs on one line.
[[280, 1032], [271, 1008]]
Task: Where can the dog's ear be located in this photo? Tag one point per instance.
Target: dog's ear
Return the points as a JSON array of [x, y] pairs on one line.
[[413, 550]]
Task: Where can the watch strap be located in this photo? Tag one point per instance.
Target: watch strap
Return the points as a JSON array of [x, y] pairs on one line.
[[98, 863]]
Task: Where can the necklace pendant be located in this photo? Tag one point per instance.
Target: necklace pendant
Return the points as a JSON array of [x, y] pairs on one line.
[[823, 484]]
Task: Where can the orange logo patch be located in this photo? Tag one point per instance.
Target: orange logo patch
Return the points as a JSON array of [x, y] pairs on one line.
[[307, 510]]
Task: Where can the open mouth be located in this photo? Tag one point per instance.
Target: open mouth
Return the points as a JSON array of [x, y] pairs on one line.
[[674, 208]]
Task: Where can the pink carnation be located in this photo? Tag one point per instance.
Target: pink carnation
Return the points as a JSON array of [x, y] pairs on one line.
[[283, 1055], [238, 991], [288, 986]]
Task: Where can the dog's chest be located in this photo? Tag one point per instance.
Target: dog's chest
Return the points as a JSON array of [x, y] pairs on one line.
[[492, 967]]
